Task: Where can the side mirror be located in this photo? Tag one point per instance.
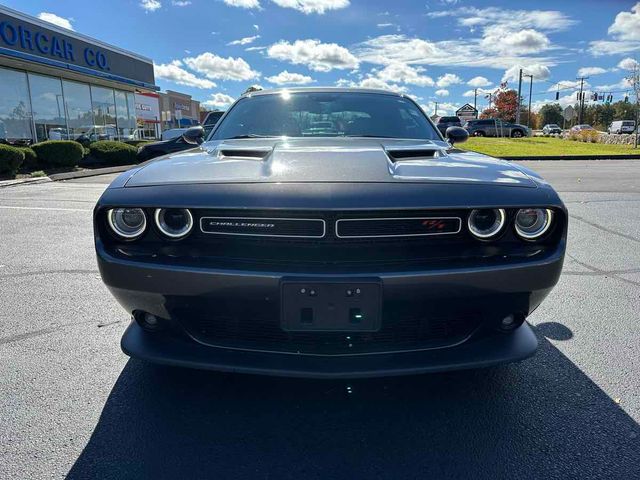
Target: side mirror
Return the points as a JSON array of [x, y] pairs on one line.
[[456, 135], [194, 134]]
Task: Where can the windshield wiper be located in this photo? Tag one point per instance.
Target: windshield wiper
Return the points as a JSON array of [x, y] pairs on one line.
[[250, 135]]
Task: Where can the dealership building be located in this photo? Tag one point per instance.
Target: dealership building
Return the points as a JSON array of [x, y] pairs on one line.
[[59, 84]]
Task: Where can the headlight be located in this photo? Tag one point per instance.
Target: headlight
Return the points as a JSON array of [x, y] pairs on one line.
[[532, 223], [174, 222], [127, 223], [486, 223]]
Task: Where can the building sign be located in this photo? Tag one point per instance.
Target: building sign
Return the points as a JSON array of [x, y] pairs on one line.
[[28, 39], [147, 107], [185, 107], [467, 112]]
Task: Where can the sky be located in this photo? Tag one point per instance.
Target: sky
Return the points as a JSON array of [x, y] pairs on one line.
[[434, 50]]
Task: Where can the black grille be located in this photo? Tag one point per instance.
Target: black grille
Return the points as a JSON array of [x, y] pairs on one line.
[[398, 333], [264, 227], [397, 227]]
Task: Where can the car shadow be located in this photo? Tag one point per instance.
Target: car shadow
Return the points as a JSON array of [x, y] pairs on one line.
[[542, 418]]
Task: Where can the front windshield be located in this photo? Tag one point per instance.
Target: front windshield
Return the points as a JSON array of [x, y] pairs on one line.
[[318, 114]]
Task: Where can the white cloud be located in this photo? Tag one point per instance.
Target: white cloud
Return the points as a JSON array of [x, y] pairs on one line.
[[150, 5], [312, 6], [599, 48], [321, 57], [479, 82], [174, 72], [625, 30], [621, 85], [448, 79], [56, 20], [287, 78], [503, 40], [628, 64], [397, 48], [546, 20], [180, 3], [384, 25], [443, 108], [567, 84], [219, 68], [257, 27], [480, 92], [626, 25], [589, 71], [374, 82], [539, 72], [403, 73], [218, 100], [442, 92], [243, 3], [245, 40]]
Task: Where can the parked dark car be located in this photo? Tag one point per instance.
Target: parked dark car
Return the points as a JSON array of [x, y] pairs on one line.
[[210, 121], [445, 122], [496, 128], [191, 138], [374, 249]]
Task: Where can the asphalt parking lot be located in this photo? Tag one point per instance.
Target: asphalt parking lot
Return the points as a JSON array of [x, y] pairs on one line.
[[72, 405]]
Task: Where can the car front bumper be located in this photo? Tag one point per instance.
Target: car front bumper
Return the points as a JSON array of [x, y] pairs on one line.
[[497, 290]]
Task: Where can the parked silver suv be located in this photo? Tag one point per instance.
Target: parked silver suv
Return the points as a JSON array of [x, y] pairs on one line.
[[494, 127]]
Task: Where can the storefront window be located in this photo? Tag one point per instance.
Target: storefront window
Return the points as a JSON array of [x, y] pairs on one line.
[[48, 108], [126, 122], [78, 102], [15, 109], [104, 113]]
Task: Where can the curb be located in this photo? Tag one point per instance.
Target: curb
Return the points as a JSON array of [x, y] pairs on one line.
[[21, 181], [577, 157], [56, 177]]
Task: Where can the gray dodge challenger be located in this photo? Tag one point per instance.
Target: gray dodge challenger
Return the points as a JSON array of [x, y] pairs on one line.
[[329, 233]]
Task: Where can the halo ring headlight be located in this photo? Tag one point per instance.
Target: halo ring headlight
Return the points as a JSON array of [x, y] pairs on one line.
[[533, 223], [174, 222], [486, 223], [127, 223]]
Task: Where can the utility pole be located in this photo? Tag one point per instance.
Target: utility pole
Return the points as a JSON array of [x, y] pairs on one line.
[[489, 95], [518, 102], [475, 98], [436, 114], [581, 96], [530, 93]]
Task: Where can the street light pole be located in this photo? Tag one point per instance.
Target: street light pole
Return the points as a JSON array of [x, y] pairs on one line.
[[518, 102], [582, 79], [475, 97], [530, 93]]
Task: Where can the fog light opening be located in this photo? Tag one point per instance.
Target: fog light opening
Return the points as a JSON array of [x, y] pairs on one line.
[[511, 322], [147, 321]]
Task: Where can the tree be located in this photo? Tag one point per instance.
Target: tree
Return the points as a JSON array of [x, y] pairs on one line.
[[550, 113], [506, 104], [489, 113]]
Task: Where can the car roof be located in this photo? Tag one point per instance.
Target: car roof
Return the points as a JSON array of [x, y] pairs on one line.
[[275, 91]]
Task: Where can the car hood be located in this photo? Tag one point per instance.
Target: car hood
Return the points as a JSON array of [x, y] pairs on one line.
[[286, 160]]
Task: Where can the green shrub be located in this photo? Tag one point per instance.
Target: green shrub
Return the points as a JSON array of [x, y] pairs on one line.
[[10, 160], [113, 153], [30, 158], [58, 153]]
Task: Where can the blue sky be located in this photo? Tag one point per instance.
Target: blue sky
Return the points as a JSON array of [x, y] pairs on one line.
[[435, 50]]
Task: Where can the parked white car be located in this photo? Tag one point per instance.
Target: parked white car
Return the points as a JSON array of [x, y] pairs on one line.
[[622, 126]]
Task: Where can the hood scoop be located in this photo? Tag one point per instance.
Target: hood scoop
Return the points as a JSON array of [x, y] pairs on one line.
[[415, 152], [252, 153]]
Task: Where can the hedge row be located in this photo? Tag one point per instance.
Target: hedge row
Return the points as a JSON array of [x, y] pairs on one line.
[[11, 159], [113, 153], [63, 153]]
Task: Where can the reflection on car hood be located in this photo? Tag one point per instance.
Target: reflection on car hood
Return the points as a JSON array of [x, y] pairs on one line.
[[286, 160]]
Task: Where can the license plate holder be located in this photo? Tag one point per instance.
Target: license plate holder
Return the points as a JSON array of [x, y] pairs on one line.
[[331, 306]]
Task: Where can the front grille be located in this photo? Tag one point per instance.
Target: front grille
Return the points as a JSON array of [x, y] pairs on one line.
[[399, 332], [264, 227], [397, 227]]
